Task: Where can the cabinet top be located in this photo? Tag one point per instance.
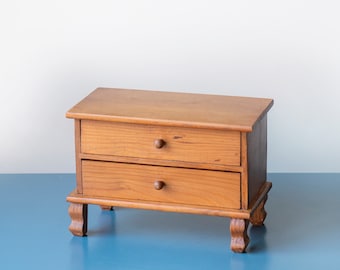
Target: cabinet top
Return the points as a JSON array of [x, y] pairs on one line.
[[171, 109]]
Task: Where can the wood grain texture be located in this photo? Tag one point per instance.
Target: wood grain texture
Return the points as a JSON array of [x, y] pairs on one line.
[[136, 182], [182, 144], [171, 109], [239, 236], [244, 174], [78, 214], [74, 197], [77, 131]]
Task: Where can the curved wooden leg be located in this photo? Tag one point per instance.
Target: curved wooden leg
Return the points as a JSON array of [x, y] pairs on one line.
[[78, 214], [239, 236], [107, 208], [259, 215]]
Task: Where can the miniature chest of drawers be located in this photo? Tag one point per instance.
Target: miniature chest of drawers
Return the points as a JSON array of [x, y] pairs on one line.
[[180, 152]]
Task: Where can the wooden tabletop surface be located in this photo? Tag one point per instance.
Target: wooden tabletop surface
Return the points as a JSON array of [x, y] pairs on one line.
[[171, 109]]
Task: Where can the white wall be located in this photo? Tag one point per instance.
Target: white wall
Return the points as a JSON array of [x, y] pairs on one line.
[[52, 53]]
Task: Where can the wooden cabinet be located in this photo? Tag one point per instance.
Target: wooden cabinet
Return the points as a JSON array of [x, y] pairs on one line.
[[190, 153]]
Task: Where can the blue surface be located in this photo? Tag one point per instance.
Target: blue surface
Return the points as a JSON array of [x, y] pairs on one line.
[[301, 231]]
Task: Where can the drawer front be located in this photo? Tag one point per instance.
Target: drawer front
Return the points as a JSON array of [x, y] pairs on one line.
[[140, 183], [161, 142]]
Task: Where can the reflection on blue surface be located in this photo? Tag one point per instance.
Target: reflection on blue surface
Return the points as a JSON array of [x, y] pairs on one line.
[[301, 230]]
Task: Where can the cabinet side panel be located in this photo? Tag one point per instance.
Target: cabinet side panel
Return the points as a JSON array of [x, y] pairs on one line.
[[77, 130], [257, 158], [244, 174]]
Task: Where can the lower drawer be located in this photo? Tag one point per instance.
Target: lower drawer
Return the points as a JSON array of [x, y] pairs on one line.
[[161, 184]]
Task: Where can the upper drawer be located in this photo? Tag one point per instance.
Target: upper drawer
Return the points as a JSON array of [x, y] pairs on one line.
[[161, 142]]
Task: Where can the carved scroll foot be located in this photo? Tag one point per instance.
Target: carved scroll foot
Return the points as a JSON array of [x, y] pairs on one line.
[[78, 214], [239, 237], [259, 215], [106, 208]]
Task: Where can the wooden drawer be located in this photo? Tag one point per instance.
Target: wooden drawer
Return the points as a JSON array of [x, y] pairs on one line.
[[181, 144], [183, 186]]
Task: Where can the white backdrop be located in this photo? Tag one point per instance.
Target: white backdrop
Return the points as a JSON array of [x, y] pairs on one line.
[[53, 53]]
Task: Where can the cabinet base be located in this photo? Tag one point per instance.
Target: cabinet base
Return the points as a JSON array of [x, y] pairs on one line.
[[240, 218]]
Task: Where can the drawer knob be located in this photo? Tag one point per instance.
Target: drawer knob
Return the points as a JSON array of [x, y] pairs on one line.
[[158, 185], [159, 143]]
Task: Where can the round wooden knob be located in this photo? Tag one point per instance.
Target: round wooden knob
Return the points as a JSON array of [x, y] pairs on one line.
[[159, 143], [158, 185]]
